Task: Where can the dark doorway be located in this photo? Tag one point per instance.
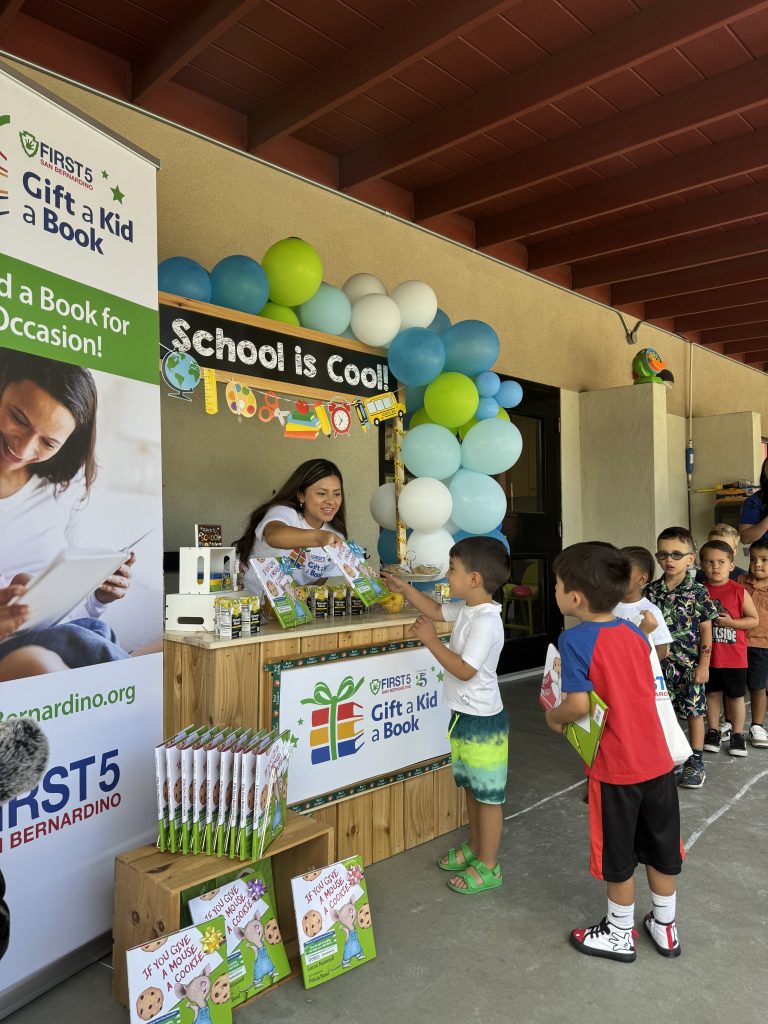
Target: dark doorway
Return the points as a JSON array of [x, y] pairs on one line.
[[534, 529]]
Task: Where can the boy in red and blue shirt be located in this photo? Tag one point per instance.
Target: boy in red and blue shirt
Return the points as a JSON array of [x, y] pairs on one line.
[[634, 815]]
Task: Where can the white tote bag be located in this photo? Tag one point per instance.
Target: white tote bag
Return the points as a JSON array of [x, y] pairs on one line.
[[679, 748]]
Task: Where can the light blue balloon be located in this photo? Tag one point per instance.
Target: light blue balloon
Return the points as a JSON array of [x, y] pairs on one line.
[[496, 534], [180, 275], [441, 322], [478, 501], [387, 546], [471, 346], [239, 283], [347, 333], [416, 356], [487, 383], [491, 446], [510, 394], [328, 310], [487, 409], [431, 450]]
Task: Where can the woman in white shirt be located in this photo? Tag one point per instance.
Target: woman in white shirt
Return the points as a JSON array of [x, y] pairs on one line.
[[304, 516], [47, 467]]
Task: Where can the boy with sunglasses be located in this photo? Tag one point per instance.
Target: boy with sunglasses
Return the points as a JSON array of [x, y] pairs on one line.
[[688, 611]]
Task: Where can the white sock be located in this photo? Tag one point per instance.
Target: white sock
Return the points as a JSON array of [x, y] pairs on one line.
[[620, 916], [664, 907]]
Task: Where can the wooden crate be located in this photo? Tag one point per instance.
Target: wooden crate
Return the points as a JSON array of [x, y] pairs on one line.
[[149, 885]]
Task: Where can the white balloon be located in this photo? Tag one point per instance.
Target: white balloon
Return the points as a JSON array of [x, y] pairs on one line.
[[375, 320], [430, 547], [358, 285], [417, 302], [425, 504], [382, 506]]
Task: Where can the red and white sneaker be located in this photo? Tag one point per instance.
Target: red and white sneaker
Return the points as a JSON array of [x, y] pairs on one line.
[[663, 936], [604, 940]]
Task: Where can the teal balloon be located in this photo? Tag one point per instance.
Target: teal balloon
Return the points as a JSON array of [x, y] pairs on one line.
[[441, 322], [416, 356], [414, 400], [491, 446], [478, 501], [495, 534], [487, 383], [238, 282], [471, 346], [509, 394], [431, 450], [328, 310], [487, 409], [387, 546], [180, 275]]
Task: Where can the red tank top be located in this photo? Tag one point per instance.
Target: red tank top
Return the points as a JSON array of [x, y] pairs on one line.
[[729, 645]]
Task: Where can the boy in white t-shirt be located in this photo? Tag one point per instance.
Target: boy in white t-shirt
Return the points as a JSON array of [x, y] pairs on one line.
[[638, 609], [479, 727]]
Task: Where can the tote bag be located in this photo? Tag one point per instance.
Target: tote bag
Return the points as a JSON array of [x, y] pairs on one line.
[[679, 748]]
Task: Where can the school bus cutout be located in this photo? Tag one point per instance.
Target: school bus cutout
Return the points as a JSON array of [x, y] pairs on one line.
[[383, 407]]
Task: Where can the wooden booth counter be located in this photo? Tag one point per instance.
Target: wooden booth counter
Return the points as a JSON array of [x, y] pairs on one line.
[[227, 682]]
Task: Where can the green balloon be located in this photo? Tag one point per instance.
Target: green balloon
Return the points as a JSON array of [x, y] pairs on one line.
[[419, 417], [272, 311], [464, 429], [451, 399], [294, 271]]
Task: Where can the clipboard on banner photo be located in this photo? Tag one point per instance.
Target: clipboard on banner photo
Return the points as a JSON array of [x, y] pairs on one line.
[[585, 734]]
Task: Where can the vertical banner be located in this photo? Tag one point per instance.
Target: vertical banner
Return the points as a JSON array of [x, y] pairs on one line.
[[80, 516]]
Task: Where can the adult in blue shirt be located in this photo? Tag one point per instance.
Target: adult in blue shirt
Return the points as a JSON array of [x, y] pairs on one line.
[[754, 512]]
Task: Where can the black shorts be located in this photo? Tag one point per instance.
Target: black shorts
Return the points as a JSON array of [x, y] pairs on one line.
[[633, 824], [757, 669], [731, 682]]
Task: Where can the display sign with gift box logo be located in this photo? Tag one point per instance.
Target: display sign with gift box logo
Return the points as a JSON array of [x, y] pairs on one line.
[[359, 719]]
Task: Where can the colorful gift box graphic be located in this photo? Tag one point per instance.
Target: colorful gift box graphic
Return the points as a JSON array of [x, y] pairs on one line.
[[336, 721]]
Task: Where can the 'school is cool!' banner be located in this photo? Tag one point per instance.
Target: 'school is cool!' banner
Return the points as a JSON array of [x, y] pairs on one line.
[[78, 302], [357, 718]]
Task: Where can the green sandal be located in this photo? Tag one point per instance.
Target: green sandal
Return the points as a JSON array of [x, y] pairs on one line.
[[489, 879], [452, 863]]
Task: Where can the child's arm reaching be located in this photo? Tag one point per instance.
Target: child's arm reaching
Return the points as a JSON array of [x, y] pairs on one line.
[[420, 601], [423, 629], [573, 706]]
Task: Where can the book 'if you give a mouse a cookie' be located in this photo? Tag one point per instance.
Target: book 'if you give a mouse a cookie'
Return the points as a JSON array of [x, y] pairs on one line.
[[181, 978], [333, 920]]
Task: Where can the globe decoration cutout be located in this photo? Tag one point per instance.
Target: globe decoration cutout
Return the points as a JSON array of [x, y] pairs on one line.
[[182, 373]]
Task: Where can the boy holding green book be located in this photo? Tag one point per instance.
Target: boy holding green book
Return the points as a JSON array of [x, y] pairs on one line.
[[633, 808]]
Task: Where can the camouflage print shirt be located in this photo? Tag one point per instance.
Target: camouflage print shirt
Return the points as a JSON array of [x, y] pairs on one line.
[[683, 608]]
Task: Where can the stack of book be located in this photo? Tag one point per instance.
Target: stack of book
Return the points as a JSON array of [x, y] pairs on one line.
[[302, 423]]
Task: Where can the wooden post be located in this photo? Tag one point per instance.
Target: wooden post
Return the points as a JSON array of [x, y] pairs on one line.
[[400, 545]]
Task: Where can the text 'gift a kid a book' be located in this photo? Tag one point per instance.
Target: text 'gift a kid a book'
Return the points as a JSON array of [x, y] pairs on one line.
[[350, 558], [585, 734], [181, 978], [333, 920], [255, 950]]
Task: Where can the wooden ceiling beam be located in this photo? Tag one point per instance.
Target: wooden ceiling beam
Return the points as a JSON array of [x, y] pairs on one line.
[[379, 56], [744, 332], [696, 105], [8, 11], [191, 31], [755, 352], [694, 279], [703, 166], [696, 215], [636, 38], [731, 316], [723, 297], [687, 252]]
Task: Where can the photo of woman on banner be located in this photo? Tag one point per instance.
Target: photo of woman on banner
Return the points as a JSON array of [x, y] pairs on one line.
[[306, 514], [48, 412]]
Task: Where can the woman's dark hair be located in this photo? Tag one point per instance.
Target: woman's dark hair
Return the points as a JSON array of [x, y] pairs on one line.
[[303, 476], [74, 388]]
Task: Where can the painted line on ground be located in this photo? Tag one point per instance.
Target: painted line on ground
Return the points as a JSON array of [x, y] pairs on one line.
[[551, 796], [724, 809]]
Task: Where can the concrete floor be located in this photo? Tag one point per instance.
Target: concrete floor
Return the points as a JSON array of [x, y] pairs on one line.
[[503, 956]]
